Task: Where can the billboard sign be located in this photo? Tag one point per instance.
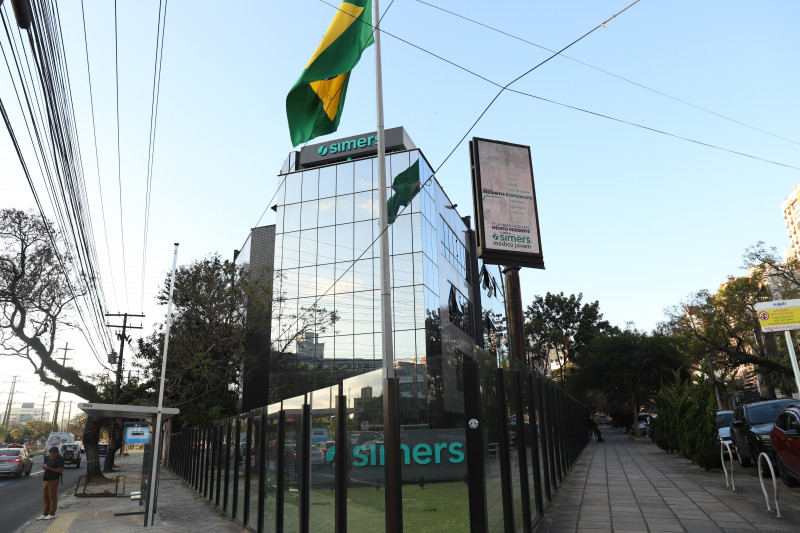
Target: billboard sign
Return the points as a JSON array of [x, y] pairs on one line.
[[363, 145], [779, 315], [137, 434], [507, 220]]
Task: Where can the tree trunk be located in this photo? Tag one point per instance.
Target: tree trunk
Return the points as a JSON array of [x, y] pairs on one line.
[[91, 434], [114, 445]]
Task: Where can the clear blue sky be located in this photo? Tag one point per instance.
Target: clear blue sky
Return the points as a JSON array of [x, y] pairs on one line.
[[629, 217]]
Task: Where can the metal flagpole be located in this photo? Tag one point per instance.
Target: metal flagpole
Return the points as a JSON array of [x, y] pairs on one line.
[[155, 454], [391, 426]]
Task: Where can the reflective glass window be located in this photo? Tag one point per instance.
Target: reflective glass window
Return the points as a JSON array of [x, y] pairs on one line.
[[310, 184], [279, 219], [307, 281], [362, 312], [403, 305], [293, 183], [344, 209], [344, 242], [308, 247], [327, 212], [344, 179], [327, 181], [344, 278], [343, 349], [326, 244], [405, 345], [402, 270], [290, 252], [419, 278], [308, 215], [362, 239], [363, 346], [325, 278], [363, 206], [291, 218], [362, 275], [401, 233], [364, 175]]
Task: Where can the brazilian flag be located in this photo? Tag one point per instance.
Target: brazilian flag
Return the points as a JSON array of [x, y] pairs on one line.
[[405, 186], [314, 105]]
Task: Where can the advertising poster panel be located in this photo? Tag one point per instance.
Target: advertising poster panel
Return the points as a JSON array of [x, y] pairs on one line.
[[507, 220]]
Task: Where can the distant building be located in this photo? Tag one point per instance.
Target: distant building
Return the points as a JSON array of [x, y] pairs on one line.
[[791, 214], [26, 413]]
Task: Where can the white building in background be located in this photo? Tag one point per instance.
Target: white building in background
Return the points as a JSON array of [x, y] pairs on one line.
[[791, 214], [27, 412]]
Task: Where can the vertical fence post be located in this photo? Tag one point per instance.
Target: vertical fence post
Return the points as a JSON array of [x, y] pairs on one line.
[[228, 427], [281, 471], [220, 429], [237, 458], [522, 451], [476, 469], [262, 469], [505, 453], [207, 460], [555, 456], [537, 472], [247, 470], [305, 469], [340, 465], [544, 420]]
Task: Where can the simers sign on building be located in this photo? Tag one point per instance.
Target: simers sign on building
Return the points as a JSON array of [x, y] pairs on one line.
[[507, 220], [354, 147]]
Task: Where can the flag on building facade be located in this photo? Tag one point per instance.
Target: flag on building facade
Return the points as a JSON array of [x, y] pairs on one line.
[[405, 186], [314, 105]]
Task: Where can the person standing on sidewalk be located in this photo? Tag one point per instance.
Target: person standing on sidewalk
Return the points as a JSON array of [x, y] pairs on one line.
[[53, 467], [591, 423]]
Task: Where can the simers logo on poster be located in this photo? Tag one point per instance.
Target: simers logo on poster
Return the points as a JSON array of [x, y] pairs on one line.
[[505, 204]]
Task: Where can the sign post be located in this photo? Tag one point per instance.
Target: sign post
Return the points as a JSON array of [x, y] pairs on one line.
[[782, 315]]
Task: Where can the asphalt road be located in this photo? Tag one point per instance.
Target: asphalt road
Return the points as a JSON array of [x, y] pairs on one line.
[[21, 498]]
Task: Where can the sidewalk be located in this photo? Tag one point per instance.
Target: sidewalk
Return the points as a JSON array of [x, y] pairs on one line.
[[180, 509], [621, 485]]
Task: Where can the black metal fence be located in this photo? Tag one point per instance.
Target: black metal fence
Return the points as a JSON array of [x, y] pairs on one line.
[[315, 462]]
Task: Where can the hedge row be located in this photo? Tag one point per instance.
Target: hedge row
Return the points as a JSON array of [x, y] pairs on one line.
[[686, 421]]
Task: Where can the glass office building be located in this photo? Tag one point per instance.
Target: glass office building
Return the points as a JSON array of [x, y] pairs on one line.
[[310, 456], [326, 315]]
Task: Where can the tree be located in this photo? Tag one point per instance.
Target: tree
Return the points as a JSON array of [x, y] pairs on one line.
[[561, 325], [38, 290], [628, 368], [722, 332], [207, 339]]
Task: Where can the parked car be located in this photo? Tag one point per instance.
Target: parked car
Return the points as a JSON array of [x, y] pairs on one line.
[[72, 454], [16, 461], [646, 424], [724, 419], [751, 426], [102, 448], [785, 436]]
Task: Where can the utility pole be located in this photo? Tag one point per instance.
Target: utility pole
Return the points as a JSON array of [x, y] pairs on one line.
[[7, 413], [44, 402], [122, 338], [69, 414], [58, 397]]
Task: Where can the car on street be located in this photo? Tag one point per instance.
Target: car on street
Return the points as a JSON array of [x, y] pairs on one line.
[[785, 437], [102, 448], [646, 424], [15, 461], [724, 419], [751, 426], [72, 454]]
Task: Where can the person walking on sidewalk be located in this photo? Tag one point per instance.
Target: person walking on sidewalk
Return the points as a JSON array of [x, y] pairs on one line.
[[592, 425], [53, 467]]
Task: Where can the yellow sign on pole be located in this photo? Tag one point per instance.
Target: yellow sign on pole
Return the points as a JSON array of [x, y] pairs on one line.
[[782, 315], [779, 315]]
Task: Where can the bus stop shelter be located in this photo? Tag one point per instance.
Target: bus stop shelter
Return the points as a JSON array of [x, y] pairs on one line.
[[138, 412]]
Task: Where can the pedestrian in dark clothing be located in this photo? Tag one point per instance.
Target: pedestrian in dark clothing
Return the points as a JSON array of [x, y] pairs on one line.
[[53, 467], [592, 425]]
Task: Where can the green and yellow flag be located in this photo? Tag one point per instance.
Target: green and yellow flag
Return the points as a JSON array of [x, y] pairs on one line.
[[314, 105], [405, 187]]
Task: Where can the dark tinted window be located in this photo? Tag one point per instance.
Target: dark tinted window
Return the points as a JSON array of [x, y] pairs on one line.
[[724, 419], [10, 453], [766, 413]]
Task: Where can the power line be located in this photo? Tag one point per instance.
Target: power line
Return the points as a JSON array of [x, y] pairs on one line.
[[96, 156], [608, 73], [159, 56], [119, 156]]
